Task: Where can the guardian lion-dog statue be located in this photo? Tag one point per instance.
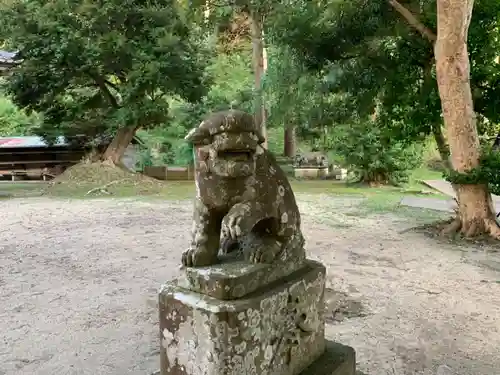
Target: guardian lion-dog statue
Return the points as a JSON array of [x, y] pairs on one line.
[[244, 202]]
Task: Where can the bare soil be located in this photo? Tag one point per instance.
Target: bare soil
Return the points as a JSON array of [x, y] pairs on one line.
[[79, 279], [101, 179]]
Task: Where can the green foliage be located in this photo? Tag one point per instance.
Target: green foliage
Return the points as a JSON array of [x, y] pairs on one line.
[[301, 99], [368, 149], [488, 172], [231, 88], [232, 82], [184, 154], [378, 62], [294, 95], [90, 68], [275, 140], [145, 159], [15, 122]]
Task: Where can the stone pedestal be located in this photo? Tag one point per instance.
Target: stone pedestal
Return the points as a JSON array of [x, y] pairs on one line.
[[276, 329], [311, 172]]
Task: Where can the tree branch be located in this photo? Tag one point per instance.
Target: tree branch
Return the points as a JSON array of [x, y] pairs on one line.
[[109, 95], [101, 83], [413, 21], [111, 84]]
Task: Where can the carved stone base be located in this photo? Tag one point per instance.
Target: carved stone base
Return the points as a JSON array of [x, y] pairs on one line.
[[234, 278], [278, 330]]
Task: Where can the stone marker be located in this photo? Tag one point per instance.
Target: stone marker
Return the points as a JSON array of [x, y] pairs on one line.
[[311, 165], [313, 159], [249, 302]]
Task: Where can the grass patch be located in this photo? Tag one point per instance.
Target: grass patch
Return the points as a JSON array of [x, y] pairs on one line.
[[91, 180], [20, 189], [390, 203], [100, 180], [163, 190], [421, 174]]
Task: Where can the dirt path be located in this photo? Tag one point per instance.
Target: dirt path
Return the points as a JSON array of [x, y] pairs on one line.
[[78, 284]]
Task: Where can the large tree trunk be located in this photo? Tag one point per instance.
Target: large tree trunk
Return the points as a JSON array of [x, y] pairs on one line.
[[259, 67], [290, 141], [475, 209], [119, 144]]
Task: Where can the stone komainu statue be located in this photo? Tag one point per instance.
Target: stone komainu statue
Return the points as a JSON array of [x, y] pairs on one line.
[[244, 201], [311, 159]]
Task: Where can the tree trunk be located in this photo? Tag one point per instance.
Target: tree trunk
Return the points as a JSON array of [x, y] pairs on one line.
[[375, 178], [442, 145], [475, 209], [259, 67], [119, 144], [290, 141]]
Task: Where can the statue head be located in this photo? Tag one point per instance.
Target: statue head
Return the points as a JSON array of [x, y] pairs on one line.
[[227, 144]]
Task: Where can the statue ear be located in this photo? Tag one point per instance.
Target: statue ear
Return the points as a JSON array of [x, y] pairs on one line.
[[198, 136], [202, 154], [260, 137]]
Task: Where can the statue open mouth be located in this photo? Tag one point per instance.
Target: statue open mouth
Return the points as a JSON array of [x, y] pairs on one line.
[[235, 155]]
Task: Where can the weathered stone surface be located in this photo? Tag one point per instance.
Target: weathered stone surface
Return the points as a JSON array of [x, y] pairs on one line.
[[311, 172], [248, 303], [337, 359], [244, 201], [279, 331], [233, 278], [311, 159]]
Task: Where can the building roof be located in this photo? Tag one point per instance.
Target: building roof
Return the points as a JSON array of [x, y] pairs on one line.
[[34, 141], [15, 142], [7, 57]]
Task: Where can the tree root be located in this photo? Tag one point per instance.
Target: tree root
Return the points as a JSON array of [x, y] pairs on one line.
[[492, 228], [451, 227], [473, 228], [103, 189]]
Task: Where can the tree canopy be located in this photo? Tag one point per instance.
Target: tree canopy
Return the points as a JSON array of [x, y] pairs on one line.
[[380, 54], [94, 67]]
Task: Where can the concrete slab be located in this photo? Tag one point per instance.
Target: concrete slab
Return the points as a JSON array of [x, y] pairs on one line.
[[446, 188], [429, 203], [442, 186]]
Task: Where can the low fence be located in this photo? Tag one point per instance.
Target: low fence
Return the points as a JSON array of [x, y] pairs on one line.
[[167, 173]]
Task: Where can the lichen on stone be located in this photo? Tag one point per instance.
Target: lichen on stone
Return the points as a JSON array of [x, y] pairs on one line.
[[244, 201], [279, 332]]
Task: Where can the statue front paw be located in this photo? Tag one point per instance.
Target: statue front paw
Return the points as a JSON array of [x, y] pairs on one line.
[[264, 252], [198, 257], [233, 226]]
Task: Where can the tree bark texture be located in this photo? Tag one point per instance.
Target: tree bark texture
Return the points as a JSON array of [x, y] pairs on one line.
[[475, 208], [116, 149], [259, 67]]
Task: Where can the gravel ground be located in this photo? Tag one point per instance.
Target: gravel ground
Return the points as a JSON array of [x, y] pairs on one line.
[[78, 283]]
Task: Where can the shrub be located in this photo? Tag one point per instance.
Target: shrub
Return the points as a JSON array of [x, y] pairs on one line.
[[488, 171], [373, 155], [14, 121]]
